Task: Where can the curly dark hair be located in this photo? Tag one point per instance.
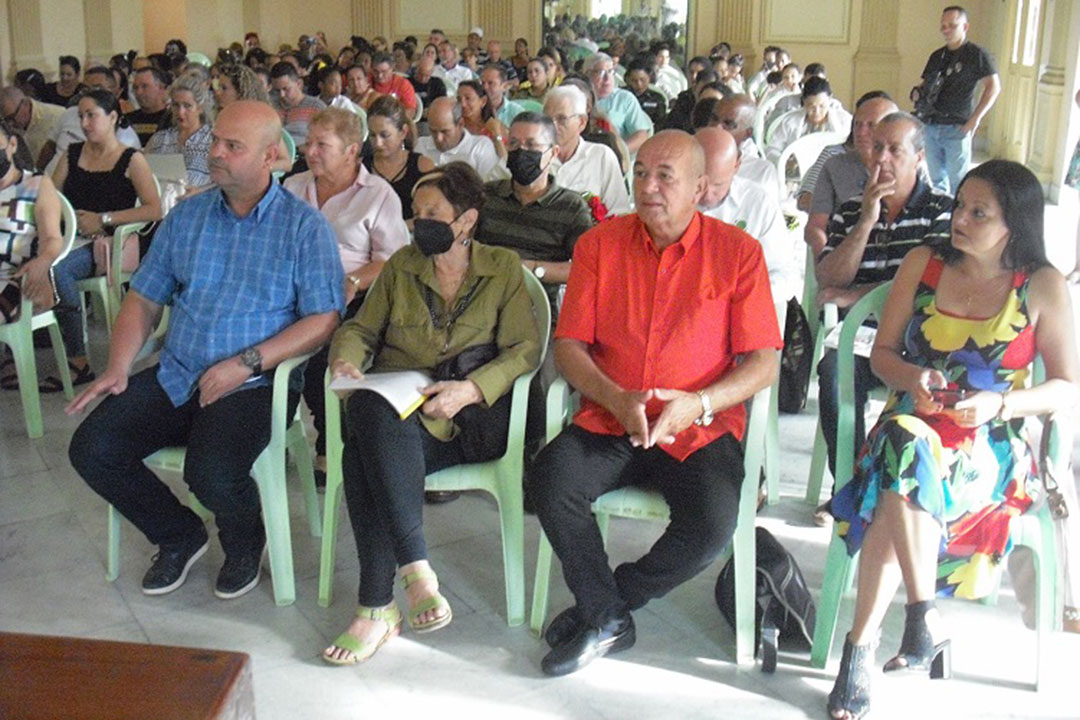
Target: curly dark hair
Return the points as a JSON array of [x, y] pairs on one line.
[[459, 184]]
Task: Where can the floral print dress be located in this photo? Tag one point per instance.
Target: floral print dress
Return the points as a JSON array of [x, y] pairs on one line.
[[974, 481]]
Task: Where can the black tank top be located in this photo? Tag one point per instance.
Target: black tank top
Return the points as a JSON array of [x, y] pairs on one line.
[[99, 191], [404, 182]]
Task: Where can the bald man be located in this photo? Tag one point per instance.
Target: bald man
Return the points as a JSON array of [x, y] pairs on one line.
[[659, 307], [450, 141], [253, 277], [746, 205], [737, 113]]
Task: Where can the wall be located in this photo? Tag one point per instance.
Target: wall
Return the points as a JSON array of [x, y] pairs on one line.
[[7, 57], [162, 21]]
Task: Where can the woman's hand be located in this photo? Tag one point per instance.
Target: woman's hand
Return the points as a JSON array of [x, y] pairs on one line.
[[927, 380], [445, 399], [344, 368], [89, 223], [35, 281], [972, 411]]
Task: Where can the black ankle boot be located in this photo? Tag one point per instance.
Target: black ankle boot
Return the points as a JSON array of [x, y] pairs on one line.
[[851, 693], [918, 653]]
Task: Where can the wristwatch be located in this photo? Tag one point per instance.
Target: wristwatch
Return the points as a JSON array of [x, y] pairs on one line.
[[539, 272], [252, 359], [354, 280], [106, 219], [706, 417]]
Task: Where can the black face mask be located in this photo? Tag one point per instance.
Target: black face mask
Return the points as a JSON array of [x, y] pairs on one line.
[[5, 164], [432, 237], [524, 165]]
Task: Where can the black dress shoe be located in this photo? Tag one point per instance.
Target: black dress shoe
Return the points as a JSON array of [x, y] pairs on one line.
[[588, 644], [565, 626], [438, 497]]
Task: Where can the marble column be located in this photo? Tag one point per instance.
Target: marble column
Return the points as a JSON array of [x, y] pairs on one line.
[[1046, 150], [877, 61]]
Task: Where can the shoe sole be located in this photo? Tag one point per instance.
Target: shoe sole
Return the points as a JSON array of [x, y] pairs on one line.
[[183, 575], [244, 590]]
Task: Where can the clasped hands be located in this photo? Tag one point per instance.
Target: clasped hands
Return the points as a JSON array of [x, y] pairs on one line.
[[972, 411], [445, 399], [681, 409]]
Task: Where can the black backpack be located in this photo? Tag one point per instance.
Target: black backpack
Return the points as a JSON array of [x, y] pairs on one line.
[[795, 360], [784, 609]]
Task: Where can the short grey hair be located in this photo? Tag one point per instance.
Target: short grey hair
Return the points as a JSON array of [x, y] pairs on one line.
[[918, 139], [593, 60], [579, 105], [547, 125]]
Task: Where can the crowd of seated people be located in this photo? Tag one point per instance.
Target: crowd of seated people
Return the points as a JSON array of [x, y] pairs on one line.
[[416, 231]]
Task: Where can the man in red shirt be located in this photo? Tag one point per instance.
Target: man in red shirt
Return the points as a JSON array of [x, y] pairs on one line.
[[658, 307], [386, 82]]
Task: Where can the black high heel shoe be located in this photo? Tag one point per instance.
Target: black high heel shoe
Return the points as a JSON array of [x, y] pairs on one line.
[[851, 692], [918, 653]]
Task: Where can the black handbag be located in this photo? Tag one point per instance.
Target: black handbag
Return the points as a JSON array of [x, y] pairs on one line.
[[795, 360], [784, 609]]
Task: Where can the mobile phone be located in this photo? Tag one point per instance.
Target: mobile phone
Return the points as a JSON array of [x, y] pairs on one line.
[[948, 397]]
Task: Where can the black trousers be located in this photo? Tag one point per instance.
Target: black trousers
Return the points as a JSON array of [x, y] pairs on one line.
[[702, 492], [222, 439], [384, 465]]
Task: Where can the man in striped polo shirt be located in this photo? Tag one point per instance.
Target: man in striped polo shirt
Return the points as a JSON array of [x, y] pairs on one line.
[[868, 238]]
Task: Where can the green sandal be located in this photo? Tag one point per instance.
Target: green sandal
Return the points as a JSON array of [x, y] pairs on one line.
[[361, 650], [434, 602]]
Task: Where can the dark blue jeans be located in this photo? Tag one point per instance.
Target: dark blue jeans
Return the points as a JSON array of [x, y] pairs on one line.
[[222, 440], [829, 401], [78, 265], [702, 492], [384, 465]]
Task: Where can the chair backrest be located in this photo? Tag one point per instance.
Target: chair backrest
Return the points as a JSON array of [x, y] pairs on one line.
[[805, 150], [290, 145], [869, 304], [541, 309], [419, 114], [771, 124], [530, 105], [198, 58], [763, 112], [69, 226]]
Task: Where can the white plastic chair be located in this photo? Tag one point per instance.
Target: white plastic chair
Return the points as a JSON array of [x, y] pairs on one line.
[[805, 150], [763, 111]]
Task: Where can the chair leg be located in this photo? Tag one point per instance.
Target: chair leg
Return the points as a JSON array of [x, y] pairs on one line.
[[328, 554], [270, 476], [300, 450], [26, 370], [512, 522], [60, 352], [745, 553], [817, 468], [837, 573], [541, 586], [112, 567], [772, 449]]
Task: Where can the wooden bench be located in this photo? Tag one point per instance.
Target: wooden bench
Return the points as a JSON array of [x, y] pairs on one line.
[[73, 678]]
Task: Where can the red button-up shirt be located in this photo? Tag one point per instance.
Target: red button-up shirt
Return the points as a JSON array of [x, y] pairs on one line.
[[675, 318], [400, 88]]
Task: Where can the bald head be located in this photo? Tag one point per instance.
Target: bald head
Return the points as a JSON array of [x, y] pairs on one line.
[[736, 113], [721, 162], [245, 144], [669, 181]]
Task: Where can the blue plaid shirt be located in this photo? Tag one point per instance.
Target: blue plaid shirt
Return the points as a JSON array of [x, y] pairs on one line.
[[234, 282]]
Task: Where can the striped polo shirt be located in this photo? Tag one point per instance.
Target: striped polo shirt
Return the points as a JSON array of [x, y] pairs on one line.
[[925, 219]]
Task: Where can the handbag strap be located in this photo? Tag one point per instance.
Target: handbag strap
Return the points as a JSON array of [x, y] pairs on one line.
[[462, 304]]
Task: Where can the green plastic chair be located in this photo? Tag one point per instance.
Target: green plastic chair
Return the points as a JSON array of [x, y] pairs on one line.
[[530, 105], [501, 478], [269, 472], [641, 504], [290, 147], [107, 297], [198, 58], [1036, 532], [19, 336]]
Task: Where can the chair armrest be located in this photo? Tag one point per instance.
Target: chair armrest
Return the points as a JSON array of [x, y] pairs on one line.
[[279, 422], [558, 408]]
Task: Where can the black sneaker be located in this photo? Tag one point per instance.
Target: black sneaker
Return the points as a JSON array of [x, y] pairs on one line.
[[171, 564], [239, 575]]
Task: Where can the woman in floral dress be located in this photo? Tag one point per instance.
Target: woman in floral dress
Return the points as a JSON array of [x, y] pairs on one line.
[[944, 475]]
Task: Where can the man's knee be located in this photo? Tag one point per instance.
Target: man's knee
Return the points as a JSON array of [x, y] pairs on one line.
[[553, 476]]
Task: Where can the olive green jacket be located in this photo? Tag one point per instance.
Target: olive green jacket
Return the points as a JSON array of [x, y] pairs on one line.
[[394, 331]]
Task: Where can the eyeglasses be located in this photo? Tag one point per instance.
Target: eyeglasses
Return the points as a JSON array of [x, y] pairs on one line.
[[18, 108], [603, 73], [563, 119]]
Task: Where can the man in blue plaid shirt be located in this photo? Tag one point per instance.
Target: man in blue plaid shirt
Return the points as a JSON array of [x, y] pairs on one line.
[[253, 277]]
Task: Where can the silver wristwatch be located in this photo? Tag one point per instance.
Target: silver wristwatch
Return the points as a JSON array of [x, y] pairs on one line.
[[539, 272], [252, 359], [706, 417], [106, 219]]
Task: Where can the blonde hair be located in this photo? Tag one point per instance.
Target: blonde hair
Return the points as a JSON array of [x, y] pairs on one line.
[[343, 123], [192, 82]]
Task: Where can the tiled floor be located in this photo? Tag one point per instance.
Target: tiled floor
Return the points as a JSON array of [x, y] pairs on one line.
[[52, 561]]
